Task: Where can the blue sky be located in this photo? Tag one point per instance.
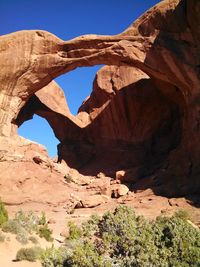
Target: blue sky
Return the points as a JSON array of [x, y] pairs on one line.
[[68, 19]]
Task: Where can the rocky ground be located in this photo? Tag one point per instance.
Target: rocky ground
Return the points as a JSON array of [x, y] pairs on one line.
[[64, 195]]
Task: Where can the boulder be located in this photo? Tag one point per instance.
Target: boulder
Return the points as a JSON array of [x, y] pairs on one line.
[[120, 175], [92, 201], [101, 186], [119, 190]]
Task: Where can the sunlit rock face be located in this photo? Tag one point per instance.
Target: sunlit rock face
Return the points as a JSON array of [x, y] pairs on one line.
[[143, 113], [132, 125]]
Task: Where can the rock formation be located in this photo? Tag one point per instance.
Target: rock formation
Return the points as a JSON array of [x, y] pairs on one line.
[[143, 114]]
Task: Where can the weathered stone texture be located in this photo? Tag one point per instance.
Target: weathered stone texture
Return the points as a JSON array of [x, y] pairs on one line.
[[143, 113]]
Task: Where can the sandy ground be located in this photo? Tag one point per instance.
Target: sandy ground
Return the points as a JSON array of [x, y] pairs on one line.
[[8, 250], [145, 204]]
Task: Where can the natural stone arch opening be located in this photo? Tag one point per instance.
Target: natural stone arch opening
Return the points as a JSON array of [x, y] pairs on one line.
[[136, 129], [51, 99], [145, 126], [38, 130], [163, 43], [77, 86]]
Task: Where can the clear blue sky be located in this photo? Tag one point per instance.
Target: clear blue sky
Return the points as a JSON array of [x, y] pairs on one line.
[[68, 19]]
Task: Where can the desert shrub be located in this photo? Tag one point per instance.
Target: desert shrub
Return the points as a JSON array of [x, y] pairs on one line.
[[75, 232], [3, 213], [22, 237], [28, 254], [123, 239], [178, 241], [33, 239], [126, 237], [12, 226], [182, 214], [27, 220], [45, 232], [91, 226], [26, 223], [42, 219], [85, 254], [53, 257]]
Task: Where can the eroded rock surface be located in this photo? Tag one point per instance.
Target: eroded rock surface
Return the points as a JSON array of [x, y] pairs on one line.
[[29, 175], [133, 124], [143, 114]]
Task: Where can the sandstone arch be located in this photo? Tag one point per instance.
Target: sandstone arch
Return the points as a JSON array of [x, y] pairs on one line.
[[164, 43]]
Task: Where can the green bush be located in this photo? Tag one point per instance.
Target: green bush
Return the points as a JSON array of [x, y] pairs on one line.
[[85, 254], [12, 226], [75, 232], [179, 242], [42, 219], [29, 254], [53, 257], [182, 214], [91, 226], [45, 232], [27, 220], [22, 237], [3, 213], [123, 239], [25, 223]]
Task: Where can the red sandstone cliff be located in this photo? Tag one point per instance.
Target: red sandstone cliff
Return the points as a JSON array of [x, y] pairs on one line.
[[142, 116]]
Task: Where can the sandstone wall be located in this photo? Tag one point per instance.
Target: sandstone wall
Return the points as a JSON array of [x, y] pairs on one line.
[[149, 124]]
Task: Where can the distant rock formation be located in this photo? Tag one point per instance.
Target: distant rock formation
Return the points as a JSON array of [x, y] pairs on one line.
[[143, 115]]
